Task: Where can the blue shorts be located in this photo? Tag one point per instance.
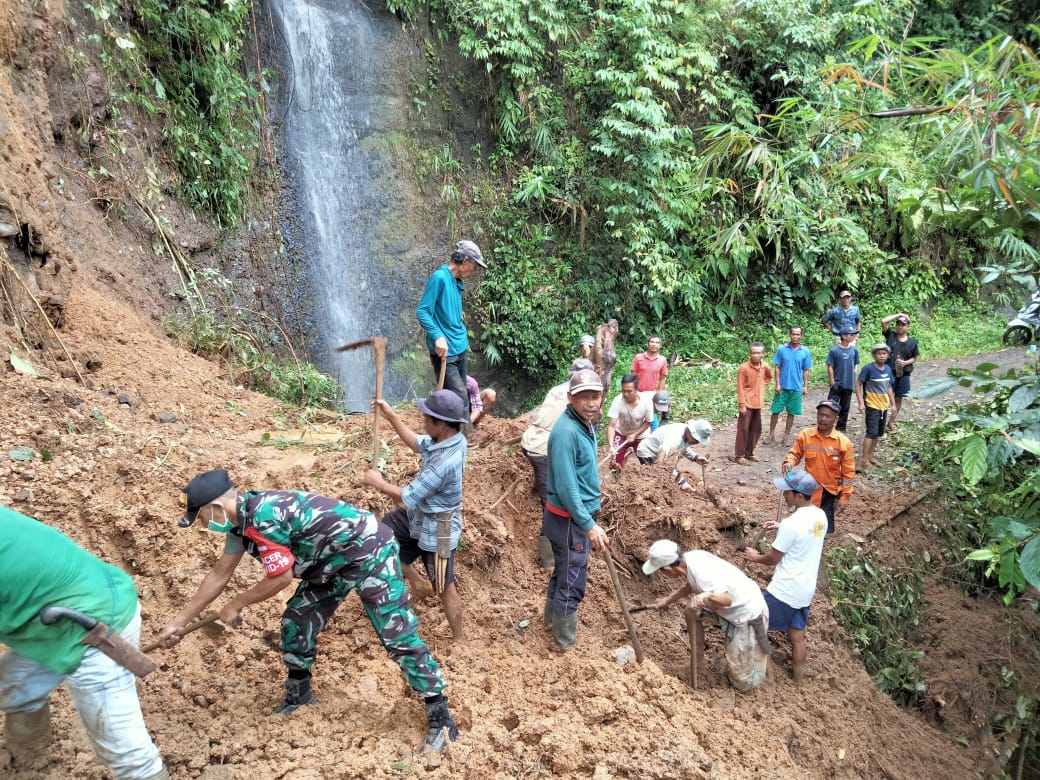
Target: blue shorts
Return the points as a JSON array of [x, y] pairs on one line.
[[791, 400], [397, 521], [902, 386], [783, 617]]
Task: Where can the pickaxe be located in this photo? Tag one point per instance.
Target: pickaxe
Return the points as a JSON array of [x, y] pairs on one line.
[[379, 345]]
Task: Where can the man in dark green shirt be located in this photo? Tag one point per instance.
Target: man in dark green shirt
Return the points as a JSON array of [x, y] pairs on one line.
[[572, 504], [40, 567]]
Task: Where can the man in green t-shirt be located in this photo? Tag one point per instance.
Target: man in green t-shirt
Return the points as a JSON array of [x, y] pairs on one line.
[[333, 548], [40, 567]]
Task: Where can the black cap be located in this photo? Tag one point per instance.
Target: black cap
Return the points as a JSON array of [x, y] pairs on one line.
[[204, 488]]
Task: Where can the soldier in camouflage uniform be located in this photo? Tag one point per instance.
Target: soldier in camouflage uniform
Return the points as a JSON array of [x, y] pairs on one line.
[[332, 548]]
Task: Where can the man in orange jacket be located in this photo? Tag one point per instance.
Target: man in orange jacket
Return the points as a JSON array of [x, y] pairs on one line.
[[829, 457]]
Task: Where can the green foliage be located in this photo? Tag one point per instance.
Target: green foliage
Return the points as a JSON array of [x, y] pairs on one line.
[[995, 442], [715, 163], [880, 608], [182, 61], [299, 384]]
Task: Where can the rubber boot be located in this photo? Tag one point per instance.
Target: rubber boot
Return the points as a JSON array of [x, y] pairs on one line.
[[548, 613], [545, 553], [440, 727], [27, 732], [565, 630], [297, 694], [162, 774]]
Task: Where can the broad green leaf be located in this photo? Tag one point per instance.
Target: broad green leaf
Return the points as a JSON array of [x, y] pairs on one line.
[[986, 554], [1023, 397], [934, 387], [1032, 446], [21, 365], [973, 462], [1029, 561]]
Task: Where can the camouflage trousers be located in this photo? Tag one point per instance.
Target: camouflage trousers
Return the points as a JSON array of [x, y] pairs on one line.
[[386, 601]]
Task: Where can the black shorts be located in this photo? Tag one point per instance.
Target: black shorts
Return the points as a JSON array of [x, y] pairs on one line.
[[902, 386], [876, 419], [397, 521]]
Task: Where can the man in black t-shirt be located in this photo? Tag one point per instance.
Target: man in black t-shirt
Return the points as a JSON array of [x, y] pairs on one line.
[[901, 358]]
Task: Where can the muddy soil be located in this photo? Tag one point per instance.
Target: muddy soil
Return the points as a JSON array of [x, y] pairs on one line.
[[120, 419], [112, 482]]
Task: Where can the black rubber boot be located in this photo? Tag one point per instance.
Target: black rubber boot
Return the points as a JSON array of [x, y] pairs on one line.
[[547, 614], [545, 553], [565, 631], [440, 726], [297, 694]]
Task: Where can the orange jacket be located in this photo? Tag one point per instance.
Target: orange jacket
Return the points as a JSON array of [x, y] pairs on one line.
[[751, 384], [830, 459]]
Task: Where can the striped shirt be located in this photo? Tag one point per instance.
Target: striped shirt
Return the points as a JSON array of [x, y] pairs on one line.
[[877, 384], [437, 488]]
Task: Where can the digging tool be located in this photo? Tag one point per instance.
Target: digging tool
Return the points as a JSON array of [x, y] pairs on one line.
[[443, 554], [695, 628], [208, 619], [379, 347], [624, 606], [641, 608], [761, 529], [101, 637], [440, 375]]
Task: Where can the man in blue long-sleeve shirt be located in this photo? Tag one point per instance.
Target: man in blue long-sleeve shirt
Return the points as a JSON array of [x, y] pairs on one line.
[[572, 505], [440, 315]]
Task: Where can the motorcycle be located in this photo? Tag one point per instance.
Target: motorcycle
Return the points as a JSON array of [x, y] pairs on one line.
[[1022, 330]]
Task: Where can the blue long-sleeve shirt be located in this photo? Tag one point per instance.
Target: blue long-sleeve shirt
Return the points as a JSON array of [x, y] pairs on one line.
[[573, 479], [440, 312]]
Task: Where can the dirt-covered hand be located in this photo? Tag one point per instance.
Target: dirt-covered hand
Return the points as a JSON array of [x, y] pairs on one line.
[[373, 478], [168, 636]]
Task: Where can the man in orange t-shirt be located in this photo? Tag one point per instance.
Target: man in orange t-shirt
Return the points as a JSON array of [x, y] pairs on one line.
[[752, 378]]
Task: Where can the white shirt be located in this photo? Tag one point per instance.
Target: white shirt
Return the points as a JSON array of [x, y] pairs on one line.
[[541, 421], [629, 418], [800, 539], [667, 438], [709, 573]]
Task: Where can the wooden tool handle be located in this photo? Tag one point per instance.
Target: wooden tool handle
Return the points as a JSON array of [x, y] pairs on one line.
[[379, 345], [205, 620], [440, 377], [624, 606]]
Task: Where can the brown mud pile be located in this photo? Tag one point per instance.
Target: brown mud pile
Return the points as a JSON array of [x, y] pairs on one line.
[[112, 452], [112, 479]]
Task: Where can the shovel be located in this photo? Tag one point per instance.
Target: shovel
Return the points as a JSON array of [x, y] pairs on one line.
[[638, 648], [100, 636]]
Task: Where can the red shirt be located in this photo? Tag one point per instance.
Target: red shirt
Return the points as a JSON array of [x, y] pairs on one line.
[[649, 370]]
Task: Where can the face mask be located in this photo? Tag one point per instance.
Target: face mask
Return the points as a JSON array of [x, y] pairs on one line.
[[221, 528]]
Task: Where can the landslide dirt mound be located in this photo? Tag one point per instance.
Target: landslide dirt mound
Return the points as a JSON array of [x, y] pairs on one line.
[[112, 482]]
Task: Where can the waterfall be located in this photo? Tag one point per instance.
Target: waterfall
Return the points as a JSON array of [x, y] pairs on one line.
[[351, 225]]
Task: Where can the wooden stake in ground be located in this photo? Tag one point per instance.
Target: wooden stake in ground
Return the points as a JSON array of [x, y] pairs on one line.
[[624, 606]]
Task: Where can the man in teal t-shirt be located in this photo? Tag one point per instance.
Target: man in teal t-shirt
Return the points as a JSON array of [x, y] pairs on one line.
[[40, 567]]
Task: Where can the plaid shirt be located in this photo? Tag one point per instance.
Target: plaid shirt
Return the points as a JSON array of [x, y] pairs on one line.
[[437, 488]]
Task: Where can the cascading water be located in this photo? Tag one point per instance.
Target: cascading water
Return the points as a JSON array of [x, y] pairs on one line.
[[350, 227]]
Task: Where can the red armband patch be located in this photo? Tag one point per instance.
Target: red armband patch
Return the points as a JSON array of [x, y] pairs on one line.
[[275, 558]]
